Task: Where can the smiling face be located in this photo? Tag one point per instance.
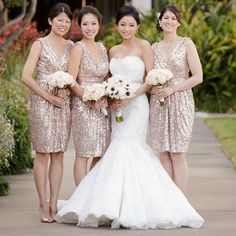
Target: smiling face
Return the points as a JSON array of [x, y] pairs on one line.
[[60, 24], [89, 26], [127, 27], [169, 22]]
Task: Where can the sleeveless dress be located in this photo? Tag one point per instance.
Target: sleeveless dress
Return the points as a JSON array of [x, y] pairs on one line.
[[50, 125], [91, 129], [171, 124], [128, 186]]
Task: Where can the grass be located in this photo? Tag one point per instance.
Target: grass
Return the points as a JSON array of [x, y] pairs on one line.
[[225, 130]]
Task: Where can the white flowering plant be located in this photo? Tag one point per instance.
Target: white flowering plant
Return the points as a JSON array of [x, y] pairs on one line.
[[118, 87], [93, 93], [158, 77], [59, 80], [7, 142]]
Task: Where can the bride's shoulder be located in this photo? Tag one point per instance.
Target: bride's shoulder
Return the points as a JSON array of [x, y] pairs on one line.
[[114, 50]]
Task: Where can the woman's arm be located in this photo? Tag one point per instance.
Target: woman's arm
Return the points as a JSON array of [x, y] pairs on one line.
[[148, 60], [73, 69], [195, 68], [27, 76]]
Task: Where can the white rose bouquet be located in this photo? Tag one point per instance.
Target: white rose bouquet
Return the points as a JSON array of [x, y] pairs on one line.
[[93, 93], [118, 87], [158, 77], [59, 80]]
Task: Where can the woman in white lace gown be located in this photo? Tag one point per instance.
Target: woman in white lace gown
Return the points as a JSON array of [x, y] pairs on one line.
[[129, 187]]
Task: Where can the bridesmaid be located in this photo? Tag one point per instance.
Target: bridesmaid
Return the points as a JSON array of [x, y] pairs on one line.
[[49, 115], [88, 65], [171, 125]]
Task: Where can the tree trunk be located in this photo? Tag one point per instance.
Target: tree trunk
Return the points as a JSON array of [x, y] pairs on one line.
[[26, 19], [1, 14], [14, 21]]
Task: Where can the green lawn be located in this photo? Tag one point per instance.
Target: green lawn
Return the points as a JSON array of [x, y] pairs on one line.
[[225, 130]]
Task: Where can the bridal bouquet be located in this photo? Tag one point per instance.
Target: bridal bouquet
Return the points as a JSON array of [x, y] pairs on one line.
[[118, 87], [158, 77], [59, 80], [93, 93]]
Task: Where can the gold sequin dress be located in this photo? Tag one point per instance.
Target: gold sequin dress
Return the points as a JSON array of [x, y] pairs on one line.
[[171, 124], [91, 129], [50, 126]]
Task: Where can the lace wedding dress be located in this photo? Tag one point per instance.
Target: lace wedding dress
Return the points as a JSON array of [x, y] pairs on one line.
[[129, 187]]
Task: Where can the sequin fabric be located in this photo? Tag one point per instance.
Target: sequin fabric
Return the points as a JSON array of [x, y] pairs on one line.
[[91, 129], [50, 126], [171, 124]]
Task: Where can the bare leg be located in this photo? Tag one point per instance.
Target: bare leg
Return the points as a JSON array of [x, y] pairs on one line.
[[55, 177], [40, 179], [181, 170], [166, 162], [94, 162], [80, 169]]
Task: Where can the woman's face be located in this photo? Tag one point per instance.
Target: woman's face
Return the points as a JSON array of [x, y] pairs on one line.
[[89, 26], [127, 27], [169, 22], [60, 24]]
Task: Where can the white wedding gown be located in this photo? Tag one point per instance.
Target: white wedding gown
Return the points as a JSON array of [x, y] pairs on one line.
[[129, 187]]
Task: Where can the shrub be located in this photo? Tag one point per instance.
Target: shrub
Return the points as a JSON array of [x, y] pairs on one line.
[[15, 103], [27, 36], [4, 186], [6, 151], [6, 141]]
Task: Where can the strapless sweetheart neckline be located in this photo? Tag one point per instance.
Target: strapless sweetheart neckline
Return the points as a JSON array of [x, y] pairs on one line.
[[125, 57]]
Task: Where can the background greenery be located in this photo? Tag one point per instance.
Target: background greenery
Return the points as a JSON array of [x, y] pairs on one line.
[[225, 130], [14, 96]]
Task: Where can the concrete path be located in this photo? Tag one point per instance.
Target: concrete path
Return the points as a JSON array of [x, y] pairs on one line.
[[212, 191]]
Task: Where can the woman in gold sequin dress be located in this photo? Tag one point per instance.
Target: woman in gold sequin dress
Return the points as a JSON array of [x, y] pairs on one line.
[[50, 120], [88, 65], [171, 124]]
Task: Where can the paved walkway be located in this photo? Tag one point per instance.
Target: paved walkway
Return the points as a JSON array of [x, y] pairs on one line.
[[212, 191]]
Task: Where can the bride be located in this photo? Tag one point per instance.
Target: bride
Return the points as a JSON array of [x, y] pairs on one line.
[[129, 187]]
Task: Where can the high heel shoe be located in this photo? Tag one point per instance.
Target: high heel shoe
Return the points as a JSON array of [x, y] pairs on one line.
[[44, 219], [53, 211]]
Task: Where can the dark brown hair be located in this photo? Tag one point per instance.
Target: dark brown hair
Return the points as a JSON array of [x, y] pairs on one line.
[[59, 8], [89, 10], [127, 11], [172, 9]]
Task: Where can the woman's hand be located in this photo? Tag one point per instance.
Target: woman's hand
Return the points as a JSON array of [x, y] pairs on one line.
[[63, 93], [162, 92], [56, 101], [90, 105], [117, 105], [101, 103]]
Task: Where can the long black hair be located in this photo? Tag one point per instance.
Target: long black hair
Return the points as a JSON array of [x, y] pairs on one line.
[[59, 8], [127, 11], [89, 10]]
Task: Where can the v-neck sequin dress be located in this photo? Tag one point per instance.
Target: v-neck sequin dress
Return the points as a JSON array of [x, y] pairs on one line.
[[91, 129], [171, 124], [50, 126]]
